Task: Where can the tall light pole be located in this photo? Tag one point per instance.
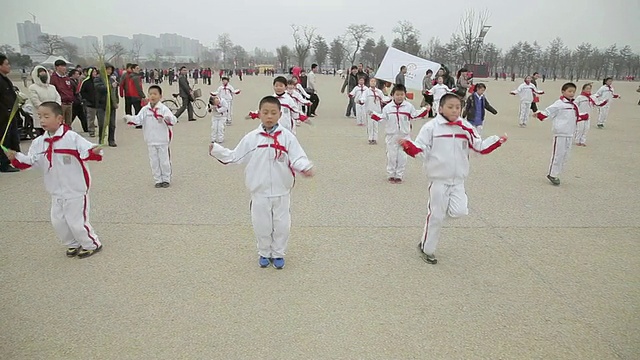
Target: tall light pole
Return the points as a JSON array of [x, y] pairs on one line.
[[483, 32]]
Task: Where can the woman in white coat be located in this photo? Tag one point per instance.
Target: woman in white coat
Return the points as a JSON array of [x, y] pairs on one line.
[[41, 91]]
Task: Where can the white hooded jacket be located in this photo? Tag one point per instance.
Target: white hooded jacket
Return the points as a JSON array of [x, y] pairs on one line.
[[40, 92], [272, 158]]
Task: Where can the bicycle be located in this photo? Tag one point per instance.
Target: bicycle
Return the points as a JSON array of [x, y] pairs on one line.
[[199, 106]]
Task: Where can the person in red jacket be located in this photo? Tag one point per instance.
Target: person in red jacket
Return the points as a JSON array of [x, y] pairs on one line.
[[64, 86], [131, 89]]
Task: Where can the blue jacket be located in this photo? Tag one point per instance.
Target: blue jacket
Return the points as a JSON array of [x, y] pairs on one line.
[[475, 107]]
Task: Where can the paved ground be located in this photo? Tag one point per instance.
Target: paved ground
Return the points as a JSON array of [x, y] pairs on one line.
[[535, 271]]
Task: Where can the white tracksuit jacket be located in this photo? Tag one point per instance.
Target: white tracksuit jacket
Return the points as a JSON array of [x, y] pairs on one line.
[[373, 100], [302, 91], [585, 103], [156, 123], [289, 107], [398, 117], [564, 113], [66, 176], [445, 148], [438, 91], [271, 160], [527, 92], [226, 92], [606, 92]]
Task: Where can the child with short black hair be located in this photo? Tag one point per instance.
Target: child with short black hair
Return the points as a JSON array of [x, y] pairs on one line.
[[289, 107], [528, 93], [156, 120], [398, 115], [438, 91], [273, 155], [218, 108], [63, 154], [373, 99], [607, 93], [227, 92], [356, 94], [444, 144], [565, 113], [476, 104]]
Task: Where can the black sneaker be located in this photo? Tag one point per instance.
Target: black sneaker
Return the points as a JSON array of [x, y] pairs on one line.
[[8, 169], [71, 252], [158, 185], [113, 144], [429, 259], [600, 126], [192, 119], [86, 253], [554, 180], [165, 184]]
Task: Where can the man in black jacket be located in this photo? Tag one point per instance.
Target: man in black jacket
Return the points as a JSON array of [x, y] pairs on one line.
[[186, 94], [7, 99], [350, 82]]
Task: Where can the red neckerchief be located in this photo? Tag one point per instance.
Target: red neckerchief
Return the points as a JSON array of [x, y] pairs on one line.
[[610, 88], [155, 113], [224, 87], [588, 96], [461, 125], [570, 101], [276, 144], [51, 140]]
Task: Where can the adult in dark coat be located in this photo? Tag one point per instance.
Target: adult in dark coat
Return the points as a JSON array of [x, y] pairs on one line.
[[7, 99], [186, 94], [350, 82]]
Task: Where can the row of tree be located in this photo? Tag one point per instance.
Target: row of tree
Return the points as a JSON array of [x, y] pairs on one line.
[[466, 46]]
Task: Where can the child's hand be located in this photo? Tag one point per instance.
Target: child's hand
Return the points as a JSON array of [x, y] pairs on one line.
[[308, 172], [503, 138], [10, 154], [210, 148]]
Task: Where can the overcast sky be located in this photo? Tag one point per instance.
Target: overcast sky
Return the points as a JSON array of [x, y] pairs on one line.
[[251, 24]]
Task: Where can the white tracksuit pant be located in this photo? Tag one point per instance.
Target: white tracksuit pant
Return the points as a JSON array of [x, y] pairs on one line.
[[582, 128], [604, 113], [436, 106], [444, 199], [217, 129], [525, 107], [361, 114], [271, 219], [560, 154], [70, 220], [230, 112], [372, 129], [396, 157], [160, 159]]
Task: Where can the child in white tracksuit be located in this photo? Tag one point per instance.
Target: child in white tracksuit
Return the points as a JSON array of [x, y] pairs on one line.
[[585, 102], [156, 120], [527, 92], [218, 108], [289, 108], [298, 97], [397, 116], [63, 154], [605, 93], [373, 100], [356, 95], [438, 91], [564, 113], [227, 92], [273, 155], [444, 144]]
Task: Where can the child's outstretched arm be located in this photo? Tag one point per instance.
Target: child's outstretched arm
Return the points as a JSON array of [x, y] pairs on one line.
[[420, 113], [88, 151], [517, 90], [242, 152], [34, 158], [421, 145], [487, 145], [535, 90], [134, 119], [550, 112], [352, 94], [489, 108], [298, 158], [168, 117]]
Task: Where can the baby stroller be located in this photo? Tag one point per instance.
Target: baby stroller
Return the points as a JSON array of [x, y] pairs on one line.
[[24, 117]]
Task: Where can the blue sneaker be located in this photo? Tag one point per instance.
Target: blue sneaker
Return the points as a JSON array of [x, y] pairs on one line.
[[278, 263], [264, 262]]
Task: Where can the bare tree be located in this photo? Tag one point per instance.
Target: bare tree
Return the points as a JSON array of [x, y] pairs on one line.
[[408, 39], [283, 54], [225, 44], [302, 41], [471, 25], [114, 51], [136, 46], [48, 45], [357, 34]]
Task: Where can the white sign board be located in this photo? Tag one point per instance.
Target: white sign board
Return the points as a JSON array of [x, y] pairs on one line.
[[416, 68]]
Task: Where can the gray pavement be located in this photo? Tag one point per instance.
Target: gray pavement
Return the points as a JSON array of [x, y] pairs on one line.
[[534, 272]]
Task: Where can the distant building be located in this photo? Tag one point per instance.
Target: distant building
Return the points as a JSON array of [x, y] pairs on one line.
[[115, 39], [28, 33], [86, 45]]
